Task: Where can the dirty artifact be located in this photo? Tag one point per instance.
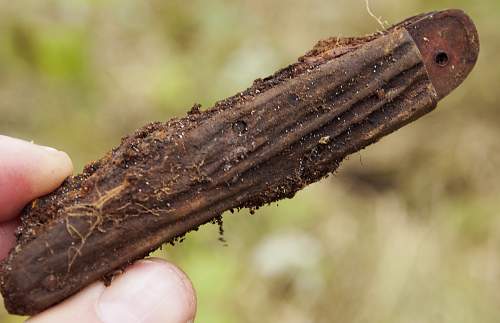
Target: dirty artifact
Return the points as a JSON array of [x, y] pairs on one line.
[[264, 144]]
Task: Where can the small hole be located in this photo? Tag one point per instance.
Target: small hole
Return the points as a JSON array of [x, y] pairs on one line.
[[240, 127], [442, 59], [293, 98]]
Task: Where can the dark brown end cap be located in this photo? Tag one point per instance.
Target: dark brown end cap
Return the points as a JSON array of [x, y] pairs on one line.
[[449, 44]]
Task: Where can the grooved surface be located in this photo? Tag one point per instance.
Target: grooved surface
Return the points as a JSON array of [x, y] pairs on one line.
[[168, 179]]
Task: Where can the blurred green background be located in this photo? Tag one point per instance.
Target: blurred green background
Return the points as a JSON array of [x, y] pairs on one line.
[[407, 231]]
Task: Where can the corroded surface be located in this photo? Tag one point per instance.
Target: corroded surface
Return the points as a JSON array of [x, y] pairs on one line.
[[262, 145]]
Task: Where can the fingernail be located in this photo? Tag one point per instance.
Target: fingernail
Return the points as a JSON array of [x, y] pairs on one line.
[[56, 157], [149, 292], [58, 160], [52, 151], [49, 149]]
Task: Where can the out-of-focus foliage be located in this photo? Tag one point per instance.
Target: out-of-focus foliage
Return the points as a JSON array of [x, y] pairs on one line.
[[407, 231]]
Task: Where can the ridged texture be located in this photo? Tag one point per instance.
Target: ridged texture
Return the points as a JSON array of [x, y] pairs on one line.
[[168, 179]]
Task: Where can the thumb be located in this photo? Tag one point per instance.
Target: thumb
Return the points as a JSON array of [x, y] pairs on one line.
[[150, 291]]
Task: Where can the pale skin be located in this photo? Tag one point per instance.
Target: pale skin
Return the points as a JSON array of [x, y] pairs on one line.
[[149, 291]]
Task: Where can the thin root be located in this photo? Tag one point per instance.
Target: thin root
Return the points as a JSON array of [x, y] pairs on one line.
[[383, 24], [91, 210]]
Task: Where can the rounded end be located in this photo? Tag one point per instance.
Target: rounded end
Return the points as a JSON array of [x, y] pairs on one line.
[[449, 44]]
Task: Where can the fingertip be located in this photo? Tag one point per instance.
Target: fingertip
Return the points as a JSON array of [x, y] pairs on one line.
[[52, 169], [28, 171], [149, 291]]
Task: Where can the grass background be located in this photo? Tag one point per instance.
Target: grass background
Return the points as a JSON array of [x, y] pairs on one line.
[[407, 231]]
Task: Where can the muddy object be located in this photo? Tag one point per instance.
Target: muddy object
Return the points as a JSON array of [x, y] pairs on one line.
[[264, 144]]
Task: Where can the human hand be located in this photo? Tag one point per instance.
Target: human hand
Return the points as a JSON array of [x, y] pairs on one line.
[[150, 291]]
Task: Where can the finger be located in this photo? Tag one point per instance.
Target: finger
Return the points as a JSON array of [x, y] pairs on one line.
[[7, 238], [150, 291], [28, 171]]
